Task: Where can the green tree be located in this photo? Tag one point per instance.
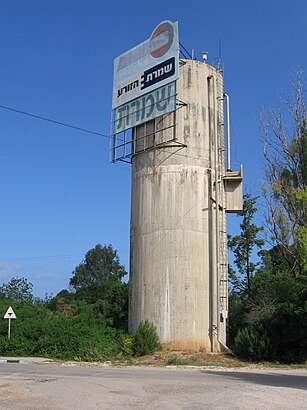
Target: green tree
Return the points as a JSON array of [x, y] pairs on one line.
[[98, 282], [146, 340], [284, 132], [117, 305], [17, 290], [243, 245], [41, 332], [100, 266], [271, 323]]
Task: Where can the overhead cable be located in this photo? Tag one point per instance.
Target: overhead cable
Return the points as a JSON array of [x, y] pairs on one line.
[[54, 121], [47, 257]]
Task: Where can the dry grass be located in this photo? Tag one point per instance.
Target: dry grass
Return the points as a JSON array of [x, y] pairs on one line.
[[189, 358], [202, 359]]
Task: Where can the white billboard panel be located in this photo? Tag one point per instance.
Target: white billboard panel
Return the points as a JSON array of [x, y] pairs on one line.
[[147, 66], [145, 108]]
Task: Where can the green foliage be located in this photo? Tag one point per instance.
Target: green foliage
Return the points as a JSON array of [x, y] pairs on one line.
[[97, 281], [174, 361], [110, 303], [301, 243], [145, 340], [17, 290], [39, 332], [284, 131], [100, 267], [238, 310], [243, 245], [267, 312], [288, 329], [252, 343], [116, 307], [276, 328], [87, 324], [126, 345], [275, 312]]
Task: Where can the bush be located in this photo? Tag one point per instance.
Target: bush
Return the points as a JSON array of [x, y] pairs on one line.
[[173, 361], [145, 340], [252, 343], [126, 345], [39, 332], [287, 332]]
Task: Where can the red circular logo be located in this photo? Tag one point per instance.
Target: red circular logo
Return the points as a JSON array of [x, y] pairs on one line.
[[162, 38]]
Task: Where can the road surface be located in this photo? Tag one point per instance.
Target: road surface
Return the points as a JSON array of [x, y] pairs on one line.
[[30, 386]]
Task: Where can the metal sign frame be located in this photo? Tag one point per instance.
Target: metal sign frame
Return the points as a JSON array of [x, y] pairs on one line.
[[157, 133]]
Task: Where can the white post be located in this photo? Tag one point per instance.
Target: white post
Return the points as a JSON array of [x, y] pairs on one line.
[[9, 332]]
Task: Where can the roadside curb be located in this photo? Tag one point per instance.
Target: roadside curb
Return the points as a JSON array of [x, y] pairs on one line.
[[32, 360]]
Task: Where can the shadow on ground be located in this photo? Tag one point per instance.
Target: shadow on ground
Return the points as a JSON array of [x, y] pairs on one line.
[[272, 379]]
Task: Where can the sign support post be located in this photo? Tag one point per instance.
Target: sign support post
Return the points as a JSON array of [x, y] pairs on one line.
[[9, 331], [9, 315]]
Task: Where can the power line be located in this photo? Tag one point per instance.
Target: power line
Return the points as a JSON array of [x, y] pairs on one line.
[[47, 257], [32, 258], [79, 128], [54, 121]]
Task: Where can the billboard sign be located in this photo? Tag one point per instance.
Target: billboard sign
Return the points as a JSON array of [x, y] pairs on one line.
[[147, 66], [158, 102]]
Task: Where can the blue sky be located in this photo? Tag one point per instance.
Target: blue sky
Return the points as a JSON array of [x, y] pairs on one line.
[[59, 194]]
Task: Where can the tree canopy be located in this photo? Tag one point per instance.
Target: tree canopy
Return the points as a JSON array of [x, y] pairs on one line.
[[100, 266], [271, 323], [243, 245], [97, 281], [284, 132], [17, 290]]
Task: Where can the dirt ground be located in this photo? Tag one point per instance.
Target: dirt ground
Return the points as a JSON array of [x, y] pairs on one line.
[[202, 359]]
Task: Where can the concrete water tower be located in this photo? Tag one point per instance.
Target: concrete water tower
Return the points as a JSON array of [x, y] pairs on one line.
[[169, 122]]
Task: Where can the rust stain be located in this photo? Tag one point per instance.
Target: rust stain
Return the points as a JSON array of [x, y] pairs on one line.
[[196, 346]]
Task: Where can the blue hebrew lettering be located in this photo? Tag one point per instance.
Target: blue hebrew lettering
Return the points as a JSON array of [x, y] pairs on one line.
[[162, 101], [135, 106], [158, 73], [120, 115], [150, 106]]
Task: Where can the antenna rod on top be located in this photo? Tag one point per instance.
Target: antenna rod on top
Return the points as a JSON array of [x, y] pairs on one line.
[[220, 55]]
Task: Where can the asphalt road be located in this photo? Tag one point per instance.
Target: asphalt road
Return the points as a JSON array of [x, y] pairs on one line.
[[49, 386]]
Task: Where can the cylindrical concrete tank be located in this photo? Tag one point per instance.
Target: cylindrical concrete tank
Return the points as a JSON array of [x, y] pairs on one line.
[[178, 271]]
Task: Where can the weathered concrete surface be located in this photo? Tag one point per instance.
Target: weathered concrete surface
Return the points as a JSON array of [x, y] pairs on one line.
[[173, 221], [50, 387]]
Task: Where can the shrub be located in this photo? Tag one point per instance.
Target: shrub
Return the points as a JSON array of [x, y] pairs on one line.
[[145, 340], [126, 345], [40, 332], [252, 343], [174, 360]]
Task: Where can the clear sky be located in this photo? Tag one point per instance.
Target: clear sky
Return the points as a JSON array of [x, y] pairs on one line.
[[59, 194]]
